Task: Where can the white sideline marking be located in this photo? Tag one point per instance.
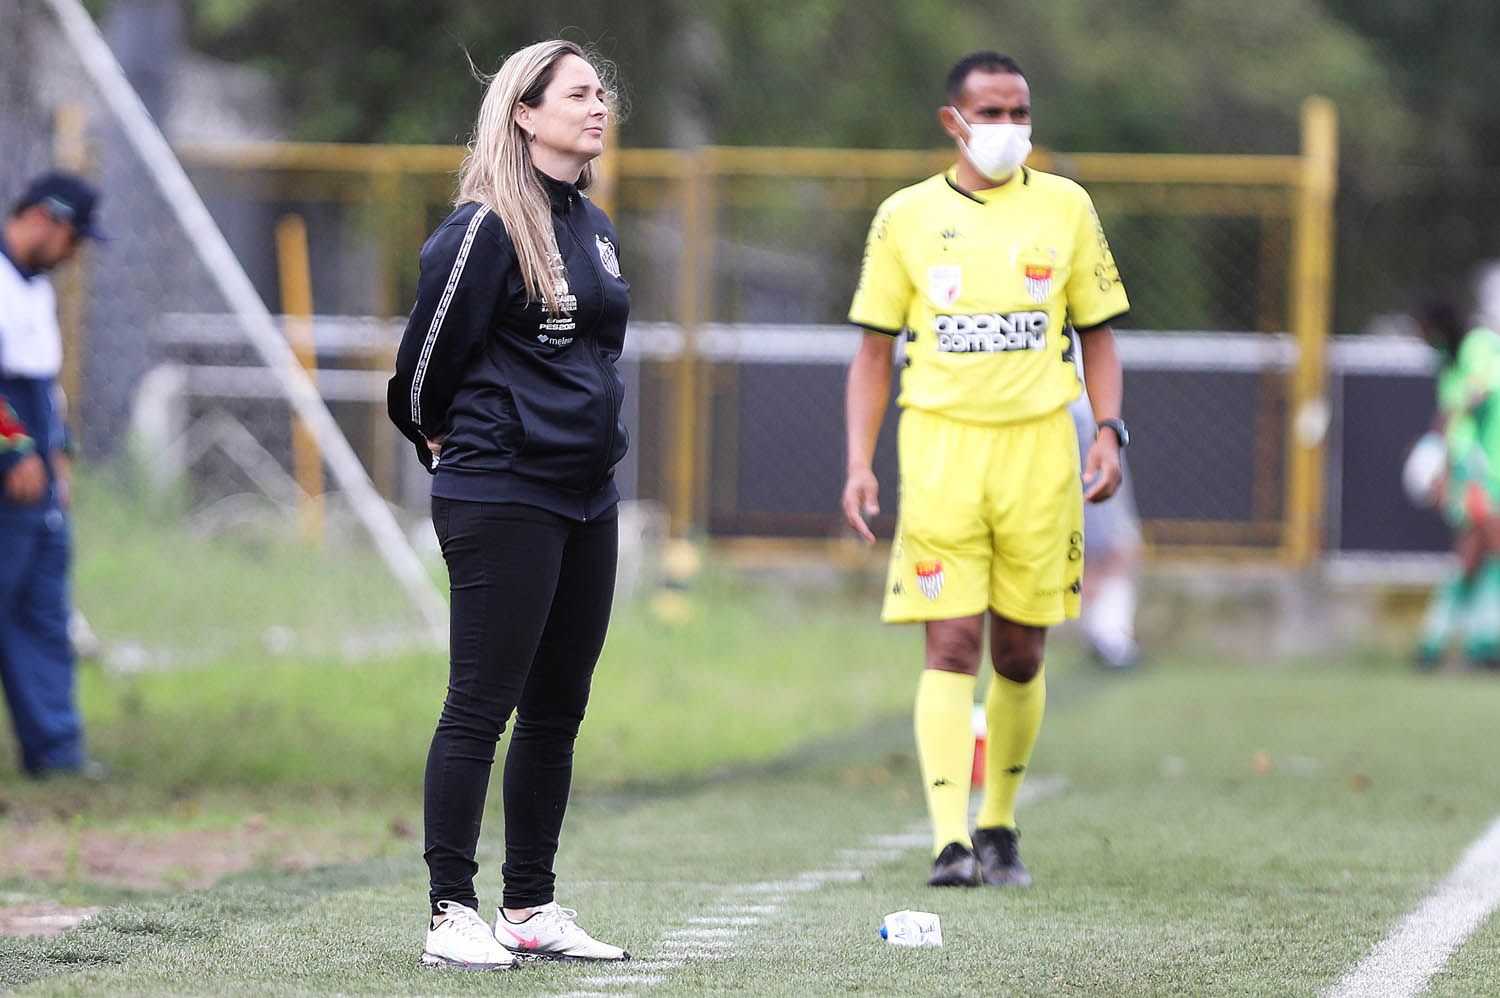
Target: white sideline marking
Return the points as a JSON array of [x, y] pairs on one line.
[[1406, 960], [702, 932], [744, 906], [724, 920], [820, 877], [745, 909], [858, 854], [693, 944], [723, 952], [906, 840]]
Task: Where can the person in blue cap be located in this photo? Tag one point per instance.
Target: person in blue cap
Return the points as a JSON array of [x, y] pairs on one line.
[[46, 228]]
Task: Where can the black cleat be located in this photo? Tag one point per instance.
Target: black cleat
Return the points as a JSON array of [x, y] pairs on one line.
[[1000, 857], [955, 866]]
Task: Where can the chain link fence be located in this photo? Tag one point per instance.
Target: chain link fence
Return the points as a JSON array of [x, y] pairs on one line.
[[1205, 246], [193, 534], [742, 262]]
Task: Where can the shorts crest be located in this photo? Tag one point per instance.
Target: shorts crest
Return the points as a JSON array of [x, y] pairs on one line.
[[930, 578]]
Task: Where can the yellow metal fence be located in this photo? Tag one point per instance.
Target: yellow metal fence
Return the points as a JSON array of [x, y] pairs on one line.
[[742, 261]]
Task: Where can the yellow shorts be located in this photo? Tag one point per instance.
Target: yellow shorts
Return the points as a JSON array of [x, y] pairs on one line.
[[991, 517]]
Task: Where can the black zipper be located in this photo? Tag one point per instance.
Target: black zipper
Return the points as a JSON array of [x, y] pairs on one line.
[[599, 362]]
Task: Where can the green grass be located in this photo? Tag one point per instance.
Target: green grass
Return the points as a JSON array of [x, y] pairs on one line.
[[749, 678], [1174, 861], [1224, 828], [232, 582]]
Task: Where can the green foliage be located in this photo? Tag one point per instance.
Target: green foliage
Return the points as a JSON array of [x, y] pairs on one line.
[[388, 71], [1420, 215], [1441, 59], [1150, 77]]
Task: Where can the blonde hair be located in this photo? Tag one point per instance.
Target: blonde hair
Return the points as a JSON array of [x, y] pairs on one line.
[[498, 172]]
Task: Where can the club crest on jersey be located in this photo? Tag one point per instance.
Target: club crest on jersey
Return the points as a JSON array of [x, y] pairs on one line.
[[607, 255], [944, 283], [930, 578], [1039, 282]]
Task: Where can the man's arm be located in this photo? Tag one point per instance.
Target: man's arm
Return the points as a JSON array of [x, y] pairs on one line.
[[1106, 387], [21, 468], [13, 436], [868, 390]]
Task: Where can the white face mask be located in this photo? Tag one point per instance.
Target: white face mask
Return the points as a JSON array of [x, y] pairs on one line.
[[995, 150]]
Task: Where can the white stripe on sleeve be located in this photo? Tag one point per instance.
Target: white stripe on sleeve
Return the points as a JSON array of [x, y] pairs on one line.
[[442, 310]]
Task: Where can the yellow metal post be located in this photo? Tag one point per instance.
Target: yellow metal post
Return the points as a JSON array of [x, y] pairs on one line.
[[693, 275], [1311, 317], [706, 240], [70, 152], [296, 306], [392, 211]]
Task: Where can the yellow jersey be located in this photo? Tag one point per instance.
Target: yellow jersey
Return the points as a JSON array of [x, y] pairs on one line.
[[986, 286]]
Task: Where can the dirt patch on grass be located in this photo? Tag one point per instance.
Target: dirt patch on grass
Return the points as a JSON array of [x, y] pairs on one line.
[[48, 919], [54, 852]]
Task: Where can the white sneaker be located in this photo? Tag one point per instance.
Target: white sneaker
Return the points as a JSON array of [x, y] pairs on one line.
[[552, 933], [463, 939]]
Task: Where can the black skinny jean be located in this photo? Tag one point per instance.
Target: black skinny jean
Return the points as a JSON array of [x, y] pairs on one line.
[[531, 594]]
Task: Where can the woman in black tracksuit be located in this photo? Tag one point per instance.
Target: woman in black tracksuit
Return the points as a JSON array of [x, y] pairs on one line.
[[506, 383]]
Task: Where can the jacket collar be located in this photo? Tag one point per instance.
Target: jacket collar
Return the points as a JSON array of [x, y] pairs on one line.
[[560, 193]]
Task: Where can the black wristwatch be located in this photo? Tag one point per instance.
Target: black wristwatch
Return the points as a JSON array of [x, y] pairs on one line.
[[1118, 425]]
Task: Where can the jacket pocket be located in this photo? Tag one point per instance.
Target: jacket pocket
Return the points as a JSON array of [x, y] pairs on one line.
[[509, 430]]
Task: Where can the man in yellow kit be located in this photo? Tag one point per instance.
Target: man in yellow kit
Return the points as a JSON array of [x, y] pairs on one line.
[[988, 269]]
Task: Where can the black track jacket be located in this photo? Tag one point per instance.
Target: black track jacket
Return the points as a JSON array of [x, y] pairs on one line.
[[528, 403]]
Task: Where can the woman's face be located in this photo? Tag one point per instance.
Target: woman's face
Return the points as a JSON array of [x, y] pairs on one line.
[[569, 122]]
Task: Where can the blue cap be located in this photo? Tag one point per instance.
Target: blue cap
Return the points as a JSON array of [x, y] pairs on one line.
[[66, 198]]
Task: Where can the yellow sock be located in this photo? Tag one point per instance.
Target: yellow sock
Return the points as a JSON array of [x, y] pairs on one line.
[[1013, 716], [945, 749]]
